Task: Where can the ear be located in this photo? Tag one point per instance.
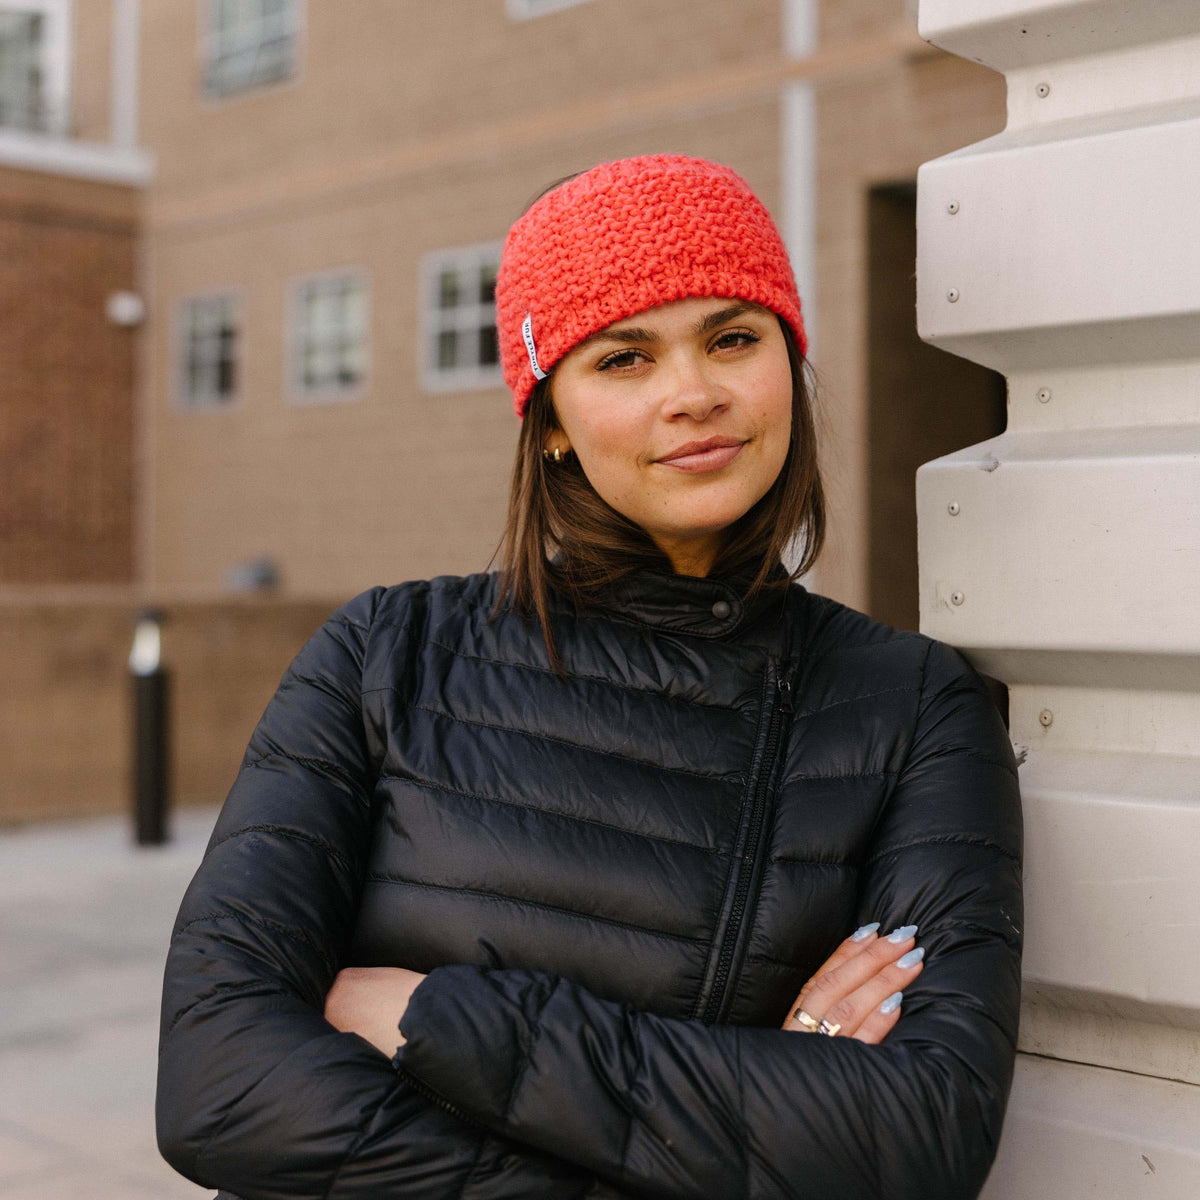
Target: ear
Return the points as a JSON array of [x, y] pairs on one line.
[[557, 440]]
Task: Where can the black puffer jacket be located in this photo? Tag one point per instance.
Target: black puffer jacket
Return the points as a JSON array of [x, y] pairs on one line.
[[618, 882]]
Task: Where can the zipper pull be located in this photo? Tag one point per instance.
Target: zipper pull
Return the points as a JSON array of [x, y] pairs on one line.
[[785, 695]]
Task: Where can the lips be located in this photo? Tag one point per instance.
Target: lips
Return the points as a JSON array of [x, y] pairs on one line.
[[709, 454]]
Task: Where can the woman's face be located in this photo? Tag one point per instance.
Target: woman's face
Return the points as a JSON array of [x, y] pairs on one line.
[[681, 418]]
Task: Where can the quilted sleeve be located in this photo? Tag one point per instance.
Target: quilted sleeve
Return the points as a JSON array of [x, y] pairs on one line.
[[257, 1093], [678, 1109]]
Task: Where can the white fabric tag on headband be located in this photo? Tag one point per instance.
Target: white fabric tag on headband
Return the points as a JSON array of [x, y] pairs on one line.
[[527, 334]]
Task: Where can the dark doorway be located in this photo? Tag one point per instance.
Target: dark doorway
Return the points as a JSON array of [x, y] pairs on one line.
[[922, 403]]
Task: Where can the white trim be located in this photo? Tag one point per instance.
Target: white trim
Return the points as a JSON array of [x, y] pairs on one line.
[[84, 160], [798, 121], [525, 10], [798, 225], [124, 123], [801, 27], [435, 379], [295, 391]]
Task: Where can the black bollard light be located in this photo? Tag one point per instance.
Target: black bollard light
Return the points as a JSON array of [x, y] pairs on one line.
[[151, 730]]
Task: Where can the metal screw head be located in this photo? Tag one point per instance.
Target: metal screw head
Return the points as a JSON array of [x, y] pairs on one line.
[[953, 508], [952, 295], [1043, 90], [1046, 717], [952, 208], [1044, 395], [957, 598]]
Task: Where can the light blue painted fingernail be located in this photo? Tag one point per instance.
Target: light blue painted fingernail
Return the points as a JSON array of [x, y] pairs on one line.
[[902, 934], [864, 931], [891, 1003], [911, 958]]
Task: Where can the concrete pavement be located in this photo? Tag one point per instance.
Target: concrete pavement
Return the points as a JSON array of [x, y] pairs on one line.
[[85, 921]]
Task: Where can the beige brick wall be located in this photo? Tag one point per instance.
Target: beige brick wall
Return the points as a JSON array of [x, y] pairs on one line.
[[65, 711], [399, 483], [381, 77]]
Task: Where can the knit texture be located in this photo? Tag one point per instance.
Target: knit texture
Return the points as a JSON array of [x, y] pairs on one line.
[[627, 236]]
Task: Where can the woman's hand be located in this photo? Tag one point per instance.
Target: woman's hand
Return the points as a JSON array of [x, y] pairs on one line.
[[370, 1001], [861, 974]]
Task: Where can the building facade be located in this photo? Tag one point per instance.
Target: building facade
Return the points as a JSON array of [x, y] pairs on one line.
[[319, 384]]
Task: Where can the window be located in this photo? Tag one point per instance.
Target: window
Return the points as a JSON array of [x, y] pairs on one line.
[[34, 65], [249, 43], [329, 336], [522, 10], [208, 339], [459, 309]]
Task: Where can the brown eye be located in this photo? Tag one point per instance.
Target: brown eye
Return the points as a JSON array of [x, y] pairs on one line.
[[733, 339], [619, 359]]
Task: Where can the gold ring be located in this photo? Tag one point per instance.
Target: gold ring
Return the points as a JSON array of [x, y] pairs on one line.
[[827, 1029], [809, 1024]]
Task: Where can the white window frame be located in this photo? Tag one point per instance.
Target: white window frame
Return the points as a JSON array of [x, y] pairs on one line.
[[184, 400], [297, 391], [525, 10], [56, 62], [207, 38], [464, 317]]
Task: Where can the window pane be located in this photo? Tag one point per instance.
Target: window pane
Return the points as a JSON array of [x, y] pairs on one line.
[[225, 359], [308, 370], [209, 348], [461, 349], [224, 382], [326, 359], [487, 285], [330, 336], [354, 311], [489, 349], [250, 42], [448, 289], [22, 99]]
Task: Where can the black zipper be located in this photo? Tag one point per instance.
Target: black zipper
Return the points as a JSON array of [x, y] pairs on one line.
[[434, 1097], [781, 705]]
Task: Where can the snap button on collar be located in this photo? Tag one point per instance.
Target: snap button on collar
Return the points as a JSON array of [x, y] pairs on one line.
[[722, 609]]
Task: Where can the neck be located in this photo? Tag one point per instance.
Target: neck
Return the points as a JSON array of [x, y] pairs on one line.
[[695, 558]]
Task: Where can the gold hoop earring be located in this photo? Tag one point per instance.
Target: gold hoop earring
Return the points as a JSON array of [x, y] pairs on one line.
[[556, 456]]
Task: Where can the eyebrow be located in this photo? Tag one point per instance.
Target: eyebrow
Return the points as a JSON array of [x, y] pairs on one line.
[[631, 334]]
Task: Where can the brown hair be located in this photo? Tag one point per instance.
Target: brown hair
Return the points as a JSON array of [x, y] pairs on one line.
[[552, 506]]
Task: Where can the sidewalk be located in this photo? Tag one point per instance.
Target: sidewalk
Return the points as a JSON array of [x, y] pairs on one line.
[[86, 918]]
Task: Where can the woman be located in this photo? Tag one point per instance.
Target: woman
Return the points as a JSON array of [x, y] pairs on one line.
[[521, 876]]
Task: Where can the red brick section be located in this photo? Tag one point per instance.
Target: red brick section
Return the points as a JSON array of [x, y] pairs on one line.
[[66, 380]]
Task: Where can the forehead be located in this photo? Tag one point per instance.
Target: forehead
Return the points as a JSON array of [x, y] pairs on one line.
[[692, 314]]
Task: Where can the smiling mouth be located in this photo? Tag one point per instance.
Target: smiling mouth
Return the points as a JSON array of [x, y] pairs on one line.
[[709, 455]]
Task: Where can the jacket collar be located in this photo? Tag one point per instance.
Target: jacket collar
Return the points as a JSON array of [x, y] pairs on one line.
[[709, 608]]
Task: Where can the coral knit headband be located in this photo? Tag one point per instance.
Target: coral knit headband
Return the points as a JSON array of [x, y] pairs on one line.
[[624, 237]]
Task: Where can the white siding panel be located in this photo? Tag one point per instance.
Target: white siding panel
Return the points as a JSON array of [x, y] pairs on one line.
[[1084, 1133]]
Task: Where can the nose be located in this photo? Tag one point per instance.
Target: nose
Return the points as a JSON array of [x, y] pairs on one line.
[[692, 391]]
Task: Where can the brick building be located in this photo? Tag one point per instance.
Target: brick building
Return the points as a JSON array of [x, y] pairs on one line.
[[70, 196]]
